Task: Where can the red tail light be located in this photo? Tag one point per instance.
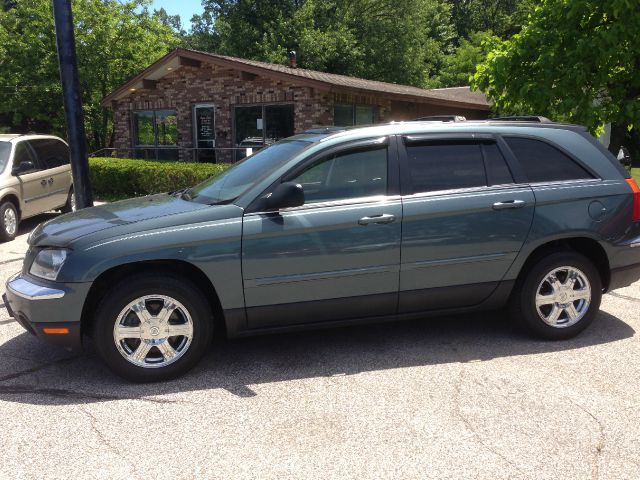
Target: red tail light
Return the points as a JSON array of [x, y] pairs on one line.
[[636, 199]]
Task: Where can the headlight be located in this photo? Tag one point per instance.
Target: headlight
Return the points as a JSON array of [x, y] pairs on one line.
[[48, 263]]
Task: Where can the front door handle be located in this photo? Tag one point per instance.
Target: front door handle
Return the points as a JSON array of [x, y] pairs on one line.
[[50, 180], [384, 218], [509, 204], [43, 182]]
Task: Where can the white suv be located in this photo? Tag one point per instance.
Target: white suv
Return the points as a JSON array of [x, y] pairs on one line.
[[35, 176]]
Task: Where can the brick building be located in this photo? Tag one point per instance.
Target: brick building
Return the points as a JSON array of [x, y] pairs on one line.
[[190, 100]]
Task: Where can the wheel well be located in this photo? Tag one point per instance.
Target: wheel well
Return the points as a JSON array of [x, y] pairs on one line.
[[111, 277], [13, 199], [585, 246]]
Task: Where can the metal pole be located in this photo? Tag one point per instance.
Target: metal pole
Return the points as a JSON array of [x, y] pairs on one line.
[[72, 102]]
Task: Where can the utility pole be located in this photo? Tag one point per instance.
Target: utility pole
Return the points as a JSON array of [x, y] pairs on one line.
[[65, 41]]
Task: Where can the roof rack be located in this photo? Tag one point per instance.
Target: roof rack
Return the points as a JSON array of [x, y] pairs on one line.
[[325, 130], [441, 118], [521, 118]]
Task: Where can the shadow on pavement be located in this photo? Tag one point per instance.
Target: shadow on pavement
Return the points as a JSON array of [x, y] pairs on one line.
[[51, 377], [30, 223]]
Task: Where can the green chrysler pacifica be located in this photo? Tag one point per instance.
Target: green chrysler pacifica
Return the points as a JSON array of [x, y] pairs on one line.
[[336, 227]]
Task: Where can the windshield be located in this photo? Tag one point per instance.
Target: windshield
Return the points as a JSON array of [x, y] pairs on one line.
[[238, 179], [5, 151]]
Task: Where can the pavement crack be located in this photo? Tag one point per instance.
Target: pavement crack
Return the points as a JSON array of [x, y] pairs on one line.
[[624, 297], [93, 421], [469, 426], [35, 369], [599, 447]]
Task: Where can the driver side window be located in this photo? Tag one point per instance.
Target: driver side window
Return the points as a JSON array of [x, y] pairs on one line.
[[352, 174]]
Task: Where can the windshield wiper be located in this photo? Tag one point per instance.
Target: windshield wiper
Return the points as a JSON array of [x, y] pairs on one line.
[[183, 194]]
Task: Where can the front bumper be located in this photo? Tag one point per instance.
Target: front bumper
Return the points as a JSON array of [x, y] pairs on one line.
[[48, 310]]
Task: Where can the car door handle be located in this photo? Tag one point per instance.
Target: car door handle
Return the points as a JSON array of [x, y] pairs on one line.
[[50, 180], [43, 182], [384, 218], [509, 204]]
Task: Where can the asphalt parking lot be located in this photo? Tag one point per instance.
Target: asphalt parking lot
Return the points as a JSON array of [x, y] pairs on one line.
[[462, 397]]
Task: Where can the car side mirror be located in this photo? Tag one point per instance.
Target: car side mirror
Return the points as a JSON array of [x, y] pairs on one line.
[[624, 157], [286, 195], [24, 166]]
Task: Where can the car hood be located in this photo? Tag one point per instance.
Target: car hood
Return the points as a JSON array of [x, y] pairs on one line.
[[65, 229]]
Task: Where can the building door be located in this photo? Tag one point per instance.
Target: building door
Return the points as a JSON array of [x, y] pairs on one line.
[[204, 121]]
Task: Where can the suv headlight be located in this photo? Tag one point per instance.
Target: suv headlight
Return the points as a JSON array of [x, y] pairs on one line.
[[48, 263]]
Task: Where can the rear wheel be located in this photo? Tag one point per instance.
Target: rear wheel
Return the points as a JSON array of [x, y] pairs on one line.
[[152, 327], [9, 220], [558, 297], [70, 206]]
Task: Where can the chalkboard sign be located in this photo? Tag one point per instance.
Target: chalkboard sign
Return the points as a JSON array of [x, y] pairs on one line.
[[205, 126]]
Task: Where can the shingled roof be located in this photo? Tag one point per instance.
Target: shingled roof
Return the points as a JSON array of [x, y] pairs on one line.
[[456, 96]]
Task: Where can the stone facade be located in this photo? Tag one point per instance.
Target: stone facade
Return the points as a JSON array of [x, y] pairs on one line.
[[227, 88]]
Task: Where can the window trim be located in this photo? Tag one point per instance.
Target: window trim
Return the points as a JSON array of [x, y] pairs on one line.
[[393, 188], [571, 156], [134, 132]]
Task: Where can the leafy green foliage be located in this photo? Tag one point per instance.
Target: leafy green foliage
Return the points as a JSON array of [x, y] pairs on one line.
[[122, 178], [576, 60], [114, 41], [502, 17], [461, 64], [375, 39]]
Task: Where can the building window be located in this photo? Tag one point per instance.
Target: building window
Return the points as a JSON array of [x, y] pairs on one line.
[[153, 128], [348, 115], [261, 125]]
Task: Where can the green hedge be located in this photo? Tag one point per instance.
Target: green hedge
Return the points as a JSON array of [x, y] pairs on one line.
[[113, 178], [636, 174]]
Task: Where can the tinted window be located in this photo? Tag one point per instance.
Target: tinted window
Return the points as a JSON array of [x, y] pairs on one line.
[[543, 163], [353, 174], [498, 172], [445, 166], [51, 153], [23, 154]]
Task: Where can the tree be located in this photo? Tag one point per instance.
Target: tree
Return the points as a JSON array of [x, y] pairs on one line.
[[459, 67], [114, 41], [502, 17], [401, 41], [576, 60]]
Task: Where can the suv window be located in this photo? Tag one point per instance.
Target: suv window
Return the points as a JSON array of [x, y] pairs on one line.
[[498, 172], [352, 174], [437, 166], [51, 152], [542, 162]]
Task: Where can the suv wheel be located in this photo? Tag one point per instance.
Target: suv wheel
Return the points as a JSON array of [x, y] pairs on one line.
[[152, 327], [558, 297], [70, 206], [9, 220]]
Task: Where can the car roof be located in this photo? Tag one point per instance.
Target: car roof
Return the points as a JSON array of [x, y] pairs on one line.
[[8, 137]]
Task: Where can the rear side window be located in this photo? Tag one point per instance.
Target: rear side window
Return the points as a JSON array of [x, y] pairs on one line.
[[437, 166], [542, 162], [51, 152], [498, 172]]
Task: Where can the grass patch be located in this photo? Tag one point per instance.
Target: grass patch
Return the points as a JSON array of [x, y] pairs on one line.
[[635, 173], [117, 178]]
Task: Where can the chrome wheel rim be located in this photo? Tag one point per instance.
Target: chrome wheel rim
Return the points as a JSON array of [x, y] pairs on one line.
[[10, 221], [563, 297], [153, 331]]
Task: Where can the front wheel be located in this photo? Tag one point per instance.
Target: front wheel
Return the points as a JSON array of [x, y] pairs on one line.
[[152, 327], [558, 297], [8, 221]]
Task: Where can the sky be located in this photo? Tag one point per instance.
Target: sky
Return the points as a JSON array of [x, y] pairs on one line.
[[185, 8]]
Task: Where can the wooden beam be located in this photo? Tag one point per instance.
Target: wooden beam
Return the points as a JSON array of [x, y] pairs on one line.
[[188, 62], [149, 84]]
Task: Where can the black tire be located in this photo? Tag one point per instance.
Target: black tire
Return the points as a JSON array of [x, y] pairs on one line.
[[70, 205], [134, 287], [523, 300], [8, 232]]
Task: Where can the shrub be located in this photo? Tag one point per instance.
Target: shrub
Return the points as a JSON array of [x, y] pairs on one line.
[[124, 177]]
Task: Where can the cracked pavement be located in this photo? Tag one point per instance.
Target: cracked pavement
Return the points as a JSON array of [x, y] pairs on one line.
[[459, 397]]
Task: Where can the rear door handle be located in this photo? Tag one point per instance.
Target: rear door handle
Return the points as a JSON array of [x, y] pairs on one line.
[[384, 218], [43, 182], [509, 204], [50, 180]]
